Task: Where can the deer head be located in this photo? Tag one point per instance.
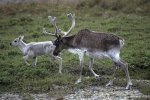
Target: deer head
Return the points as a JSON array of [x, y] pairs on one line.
[[59, 34], [17, 41]]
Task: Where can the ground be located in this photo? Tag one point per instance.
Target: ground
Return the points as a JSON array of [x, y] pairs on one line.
[[126, 18]]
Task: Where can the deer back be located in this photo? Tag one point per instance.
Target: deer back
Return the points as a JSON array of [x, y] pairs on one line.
[[96, 41]]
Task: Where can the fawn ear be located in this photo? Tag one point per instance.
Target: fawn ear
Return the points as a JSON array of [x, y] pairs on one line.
[[21, 37]]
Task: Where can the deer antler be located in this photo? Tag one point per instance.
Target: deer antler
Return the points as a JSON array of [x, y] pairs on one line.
[[45, 32], [59, 32], [53, 22], [71, 17]]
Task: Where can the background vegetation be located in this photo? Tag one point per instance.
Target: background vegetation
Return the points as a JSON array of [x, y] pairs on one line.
[[127, 18]]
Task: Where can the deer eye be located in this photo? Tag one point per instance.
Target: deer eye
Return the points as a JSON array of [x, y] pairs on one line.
[[15, 41]]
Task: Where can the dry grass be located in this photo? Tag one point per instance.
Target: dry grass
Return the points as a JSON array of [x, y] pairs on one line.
[[126, 6]]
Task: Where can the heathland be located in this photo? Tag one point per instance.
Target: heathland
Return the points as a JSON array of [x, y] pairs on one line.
[[129, 19]]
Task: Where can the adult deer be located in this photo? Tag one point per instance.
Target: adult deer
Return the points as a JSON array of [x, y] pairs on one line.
[[94, 45]]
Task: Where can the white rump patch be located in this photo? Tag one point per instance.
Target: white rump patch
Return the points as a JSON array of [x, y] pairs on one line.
[[121, 43], [114, 54]]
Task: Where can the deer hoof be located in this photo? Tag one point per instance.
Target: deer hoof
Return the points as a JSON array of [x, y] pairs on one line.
[[28, 64], [78, 81], [60, 72], [97, 77], [128, 87], [110, 83]]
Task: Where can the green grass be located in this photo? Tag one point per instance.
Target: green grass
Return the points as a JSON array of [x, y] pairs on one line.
[[29, 20]]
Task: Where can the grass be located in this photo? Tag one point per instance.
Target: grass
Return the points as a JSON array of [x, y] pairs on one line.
[[29, 20]]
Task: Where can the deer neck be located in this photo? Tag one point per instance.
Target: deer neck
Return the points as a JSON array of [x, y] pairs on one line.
[[22, 46], [69, 44]]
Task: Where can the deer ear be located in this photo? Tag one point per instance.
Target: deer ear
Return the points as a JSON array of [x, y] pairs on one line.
[[58, 37], [21, 37]]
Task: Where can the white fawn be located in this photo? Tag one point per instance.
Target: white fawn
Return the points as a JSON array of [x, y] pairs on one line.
[[34, 49]]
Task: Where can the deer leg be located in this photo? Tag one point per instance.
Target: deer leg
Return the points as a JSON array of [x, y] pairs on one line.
[[60, 63], [125, 67], [110, 83], [81, 67], [34, 61], [25, 59], [91, 68]]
